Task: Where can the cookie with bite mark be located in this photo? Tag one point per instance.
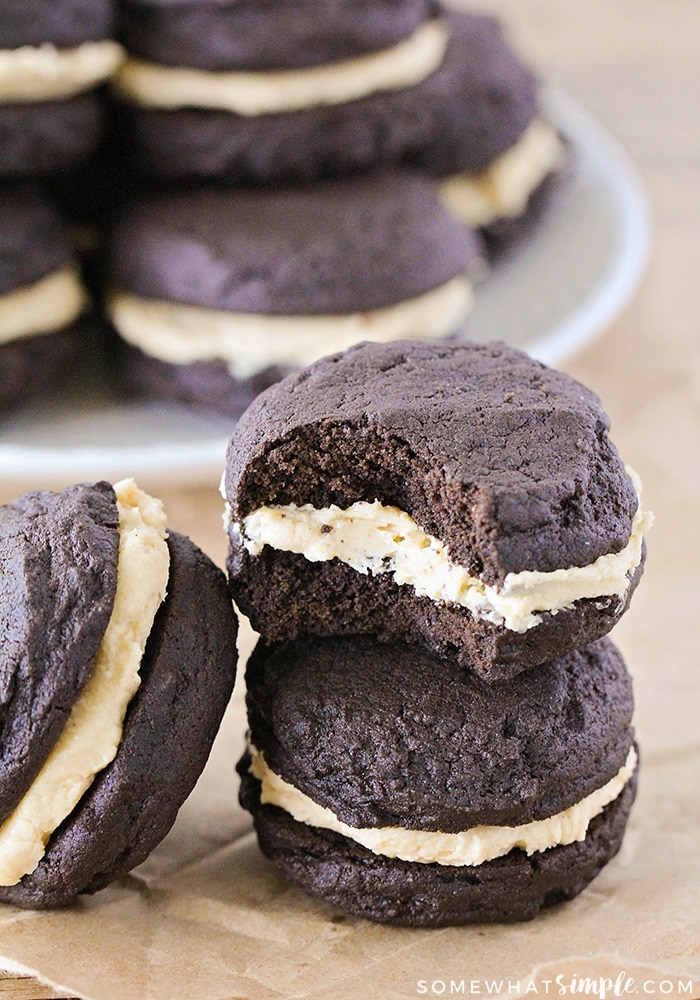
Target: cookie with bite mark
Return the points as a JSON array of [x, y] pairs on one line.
[[459, 495]]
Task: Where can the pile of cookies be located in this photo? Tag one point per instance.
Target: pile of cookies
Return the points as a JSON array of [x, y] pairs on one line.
[[433, 542], [255, 185], [432, 539]]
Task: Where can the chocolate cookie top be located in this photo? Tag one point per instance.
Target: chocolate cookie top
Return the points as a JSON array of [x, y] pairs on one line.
[[63, 23], [33, 239], [187, 675], [335, 247], [58, 578], [388, 735], [258, 35], [505, 460]]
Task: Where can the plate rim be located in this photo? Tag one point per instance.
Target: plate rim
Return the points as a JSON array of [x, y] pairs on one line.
[[191, 463], [613, 291]]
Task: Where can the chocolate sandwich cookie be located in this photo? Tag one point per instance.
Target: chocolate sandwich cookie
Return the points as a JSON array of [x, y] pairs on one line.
[[113, 691], [460, 495], [219, 293], [450, 91], [401, 788], [42, 299], [52, 57]]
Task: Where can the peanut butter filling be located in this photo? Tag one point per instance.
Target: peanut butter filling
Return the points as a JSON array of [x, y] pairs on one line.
[[93, 731]]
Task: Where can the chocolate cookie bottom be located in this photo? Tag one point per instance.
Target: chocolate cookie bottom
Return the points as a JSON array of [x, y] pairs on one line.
[[387, 890], [287, 596], [206, 385]]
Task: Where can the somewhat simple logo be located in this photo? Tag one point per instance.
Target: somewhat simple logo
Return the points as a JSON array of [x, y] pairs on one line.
[[601, 987]]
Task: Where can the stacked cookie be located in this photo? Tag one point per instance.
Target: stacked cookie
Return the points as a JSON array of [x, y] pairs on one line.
[[42, 297], [433, 542], [54, 57], [360, 157], [259, 93], [219, 293]]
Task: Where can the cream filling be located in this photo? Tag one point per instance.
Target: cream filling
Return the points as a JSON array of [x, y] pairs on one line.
[[372, 538], [503, 188], [249, 343], [45, 73], [51, 303], [93, 730], [469, 847], [259, 93]]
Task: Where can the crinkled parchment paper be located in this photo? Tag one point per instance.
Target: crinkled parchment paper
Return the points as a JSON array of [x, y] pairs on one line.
[[208, 918]]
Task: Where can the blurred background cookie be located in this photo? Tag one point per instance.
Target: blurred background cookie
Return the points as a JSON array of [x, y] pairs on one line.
[[53, 55], [42, 298], [435, 88], [216, 294]]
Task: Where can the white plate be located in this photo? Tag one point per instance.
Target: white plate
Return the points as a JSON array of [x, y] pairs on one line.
[[579, 267], [558, 290]]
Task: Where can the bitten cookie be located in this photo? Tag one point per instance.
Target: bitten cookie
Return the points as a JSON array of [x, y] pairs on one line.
[[459, 495], [41, 297], [432, 86], [118, 660], [219, 293], [52, 56], [404, 789]]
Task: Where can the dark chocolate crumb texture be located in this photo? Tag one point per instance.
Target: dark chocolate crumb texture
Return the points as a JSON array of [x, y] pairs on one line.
[[460, 495], [111, 691], [404, 789]]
